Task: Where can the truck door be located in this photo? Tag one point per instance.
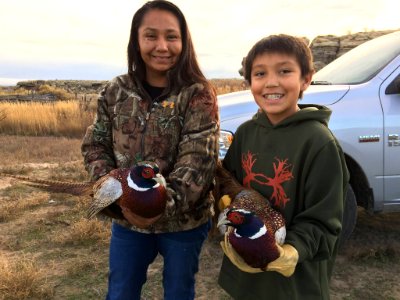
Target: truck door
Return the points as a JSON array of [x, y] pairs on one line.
[[390, 99]]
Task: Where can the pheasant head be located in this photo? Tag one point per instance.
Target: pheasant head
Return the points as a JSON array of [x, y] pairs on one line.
[[250, 238], [144, 176], [245, 222]]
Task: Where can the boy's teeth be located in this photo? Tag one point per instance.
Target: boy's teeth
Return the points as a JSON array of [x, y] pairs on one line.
[[273, 96]]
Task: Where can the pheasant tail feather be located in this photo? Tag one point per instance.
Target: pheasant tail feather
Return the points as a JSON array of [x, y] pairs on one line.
[[71, 188]]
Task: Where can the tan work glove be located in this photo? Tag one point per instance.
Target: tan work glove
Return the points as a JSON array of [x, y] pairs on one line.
[[234, 257], [224, 202], [285, 264]]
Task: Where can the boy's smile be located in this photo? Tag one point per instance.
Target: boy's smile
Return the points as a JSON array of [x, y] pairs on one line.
[[273, 96], [276, 83]]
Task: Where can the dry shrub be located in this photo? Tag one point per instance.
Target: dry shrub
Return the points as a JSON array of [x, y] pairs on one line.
[[23, 279], [224, 86], [61, 94], [13, 91], [84, 230], [59, 118]]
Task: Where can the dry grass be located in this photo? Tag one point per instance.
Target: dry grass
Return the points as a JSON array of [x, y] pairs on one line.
[[84, 230], [22, 153], [60, 118], [23, 279], [16, 203], [2, 114]]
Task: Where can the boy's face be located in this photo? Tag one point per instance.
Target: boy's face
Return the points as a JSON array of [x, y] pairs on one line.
[[276, 83]]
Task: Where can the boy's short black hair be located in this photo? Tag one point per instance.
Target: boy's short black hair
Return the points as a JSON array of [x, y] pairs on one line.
[[281, 43]]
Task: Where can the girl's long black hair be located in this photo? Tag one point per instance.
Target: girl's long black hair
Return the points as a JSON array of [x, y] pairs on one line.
[[186, 71]]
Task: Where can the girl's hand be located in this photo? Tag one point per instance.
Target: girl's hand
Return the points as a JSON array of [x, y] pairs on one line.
[[138, 221]]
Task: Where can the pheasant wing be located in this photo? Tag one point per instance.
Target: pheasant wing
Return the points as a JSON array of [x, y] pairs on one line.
[[107, 190]]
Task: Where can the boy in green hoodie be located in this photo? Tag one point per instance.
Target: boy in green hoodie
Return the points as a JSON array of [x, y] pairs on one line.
[[287, 153]]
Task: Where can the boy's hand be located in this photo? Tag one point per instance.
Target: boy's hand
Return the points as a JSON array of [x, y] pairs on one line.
[[286, 263], [234, 257], [224, 202]]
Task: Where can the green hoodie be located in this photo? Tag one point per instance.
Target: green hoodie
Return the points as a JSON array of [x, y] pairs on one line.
[[298, 165]]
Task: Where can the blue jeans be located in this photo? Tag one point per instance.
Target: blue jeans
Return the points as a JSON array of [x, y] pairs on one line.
[[132, 252]]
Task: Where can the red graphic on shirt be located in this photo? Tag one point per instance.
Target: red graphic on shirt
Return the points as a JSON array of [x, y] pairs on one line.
[[283, 172]]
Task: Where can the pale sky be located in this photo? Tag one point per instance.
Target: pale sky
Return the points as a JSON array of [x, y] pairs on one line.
[[87, 39]]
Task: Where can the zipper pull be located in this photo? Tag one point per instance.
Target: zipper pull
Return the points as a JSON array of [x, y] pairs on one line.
[[147, 116]]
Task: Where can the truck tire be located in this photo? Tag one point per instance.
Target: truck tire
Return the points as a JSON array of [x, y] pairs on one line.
[[349, 216]]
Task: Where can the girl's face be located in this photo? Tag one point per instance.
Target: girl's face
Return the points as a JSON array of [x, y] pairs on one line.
[[160, 44], [276, 83]]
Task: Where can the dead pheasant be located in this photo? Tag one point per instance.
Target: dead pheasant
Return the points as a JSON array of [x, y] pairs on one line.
[[257, 226], [142, 189]]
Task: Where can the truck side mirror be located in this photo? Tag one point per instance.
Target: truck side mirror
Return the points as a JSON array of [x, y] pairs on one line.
[[393, 87]]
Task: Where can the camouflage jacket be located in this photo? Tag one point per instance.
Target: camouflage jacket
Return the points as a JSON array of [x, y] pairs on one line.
[[179, 132]]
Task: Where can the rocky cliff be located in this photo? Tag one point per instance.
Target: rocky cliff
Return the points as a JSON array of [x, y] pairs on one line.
[[71, 86], [326, 48]]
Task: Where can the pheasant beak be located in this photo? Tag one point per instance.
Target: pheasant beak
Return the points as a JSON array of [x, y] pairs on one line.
[[222, 220], [160, 179]]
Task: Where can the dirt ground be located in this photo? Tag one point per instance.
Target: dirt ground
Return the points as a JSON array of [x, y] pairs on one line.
[[367, 266]]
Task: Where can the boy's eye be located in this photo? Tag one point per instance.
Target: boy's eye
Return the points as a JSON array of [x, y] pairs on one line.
[[285, 71]]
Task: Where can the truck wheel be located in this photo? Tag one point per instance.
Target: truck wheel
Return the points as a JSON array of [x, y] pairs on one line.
[[349, 216]]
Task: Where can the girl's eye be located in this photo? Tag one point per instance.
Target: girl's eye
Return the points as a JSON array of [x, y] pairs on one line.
[[172, 37], [150, 36], [259, 74]]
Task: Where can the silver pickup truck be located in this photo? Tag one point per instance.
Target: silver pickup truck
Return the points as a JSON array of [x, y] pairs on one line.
[[362, 88]]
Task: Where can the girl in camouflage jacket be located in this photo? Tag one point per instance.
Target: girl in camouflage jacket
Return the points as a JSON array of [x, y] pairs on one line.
[[164, 111]]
